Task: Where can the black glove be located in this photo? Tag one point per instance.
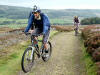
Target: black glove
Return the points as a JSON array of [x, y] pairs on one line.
[[25, 33], [41, 33]]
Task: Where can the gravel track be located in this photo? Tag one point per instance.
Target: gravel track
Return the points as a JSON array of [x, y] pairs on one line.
[[66, 57]]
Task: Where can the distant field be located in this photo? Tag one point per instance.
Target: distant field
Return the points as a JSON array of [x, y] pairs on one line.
[[23, 22], [62, 21], [13, 23], [18, 23], [13, 26]]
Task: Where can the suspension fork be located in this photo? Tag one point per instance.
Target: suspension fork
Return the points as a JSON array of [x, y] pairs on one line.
[[34, 45], [32, 52]]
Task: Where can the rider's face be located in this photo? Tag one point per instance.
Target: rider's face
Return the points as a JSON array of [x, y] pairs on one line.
[[36, 14]]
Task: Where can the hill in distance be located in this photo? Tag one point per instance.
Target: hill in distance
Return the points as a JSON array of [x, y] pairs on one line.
[[57, 17], [14, 12]]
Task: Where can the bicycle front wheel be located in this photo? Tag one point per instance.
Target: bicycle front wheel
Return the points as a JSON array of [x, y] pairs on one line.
[[27, 60]]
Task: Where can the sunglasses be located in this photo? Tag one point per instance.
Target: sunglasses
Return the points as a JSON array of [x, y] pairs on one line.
[[35, 12]]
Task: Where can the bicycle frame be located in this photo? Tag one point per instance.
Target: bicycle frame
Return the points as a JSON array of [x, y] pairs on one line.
[[37, 51]]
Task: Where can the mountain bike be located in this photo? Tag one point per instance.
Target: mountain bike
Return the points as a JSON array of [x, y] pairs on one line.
[[33, 51], [76, 25], [76, 31]]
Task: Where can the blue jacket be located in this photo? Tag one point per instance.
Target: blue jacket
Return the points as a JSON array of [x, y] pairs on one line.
[[46, 23]]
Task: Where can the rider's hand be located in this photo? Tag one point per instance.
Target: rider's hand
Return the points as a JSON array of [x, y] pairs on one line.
[[25, 32], [31, 31]]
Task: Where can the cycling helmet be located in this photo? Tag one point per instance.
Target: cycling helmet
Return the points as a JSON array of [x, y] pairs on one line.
[[75, 16], [36, 9]]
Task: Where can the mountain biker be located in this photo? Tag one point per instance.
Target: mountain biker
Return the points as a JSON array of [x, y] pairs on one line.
[[38, 23], [76, 23]]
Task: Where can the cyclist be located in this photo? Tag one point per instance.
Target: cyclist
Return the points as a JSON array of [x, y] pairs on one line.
[[76, 23], [38, 23]]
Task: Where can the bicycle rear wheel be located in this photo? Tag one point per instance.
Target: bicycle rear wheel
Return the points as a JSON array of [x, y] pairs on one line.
[[27, 60], [46, 56], [76, 31]]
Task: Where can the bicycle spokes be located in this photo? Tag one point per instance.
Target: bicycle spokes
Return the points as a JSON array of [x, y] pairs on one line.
[[27, 59]]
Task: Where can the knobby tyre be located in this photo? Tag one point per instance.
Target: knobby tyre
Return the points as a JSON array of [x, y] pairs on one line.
[[27, 60]]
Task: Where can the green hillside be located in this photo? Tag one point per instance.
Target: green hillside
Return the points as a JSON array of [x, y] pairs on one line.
[[22, 12], [63, 16]]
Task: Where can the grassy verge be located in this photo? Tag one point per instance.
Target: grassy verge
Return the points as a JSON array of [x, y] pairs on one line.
[[87, 59], [10, 64]]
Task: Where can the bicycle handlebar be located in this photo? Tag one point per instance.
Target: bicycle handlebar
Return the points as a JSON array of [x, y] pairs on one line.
[[33, 34]]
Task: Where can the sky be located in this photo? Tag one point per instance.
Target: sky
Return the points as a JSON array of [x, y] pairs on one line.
[[54, 4]]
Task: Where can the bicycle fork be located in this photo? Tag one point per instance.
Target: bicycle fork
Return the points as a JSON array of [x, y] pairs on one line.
[[31, 52]]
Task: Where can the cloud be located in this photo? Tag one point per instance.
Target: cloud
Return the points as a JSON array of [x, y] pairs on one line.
[[54, 4]]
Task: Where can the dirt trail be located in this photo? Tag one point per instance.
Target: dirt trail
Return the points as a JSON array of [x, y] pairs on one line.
[[66, 57]]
